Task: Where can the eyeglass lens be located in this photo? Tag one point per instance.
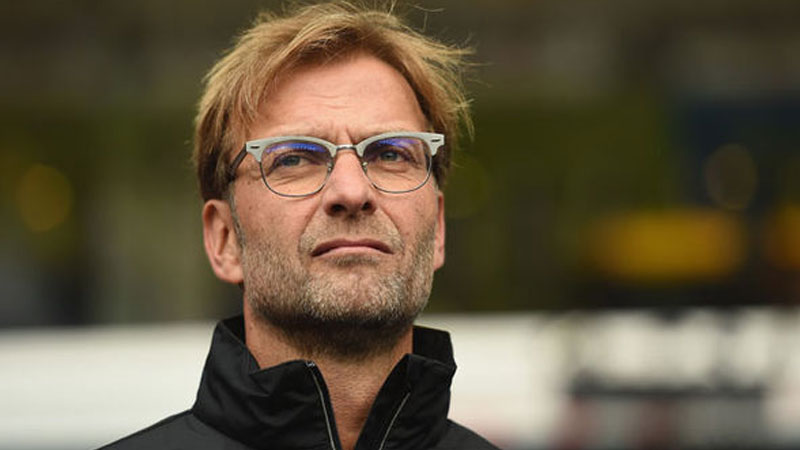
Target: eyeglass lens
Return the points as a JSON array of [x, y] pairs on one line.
[[297, 167]]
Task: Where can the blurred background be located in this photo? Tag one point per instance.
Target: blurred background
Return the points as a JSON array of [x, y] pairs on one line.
[[626, 221]]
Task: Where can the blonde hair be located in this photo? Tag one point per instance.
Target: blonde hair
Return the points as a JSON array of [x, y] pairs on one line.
[[240, 82]]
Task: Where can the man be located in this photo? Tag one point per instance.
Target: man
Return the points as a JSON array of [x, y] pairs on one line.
[[322, 139]]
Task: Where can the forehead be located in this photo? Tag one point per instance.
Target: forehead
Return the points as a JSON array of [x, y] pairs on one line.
[[349, 98]]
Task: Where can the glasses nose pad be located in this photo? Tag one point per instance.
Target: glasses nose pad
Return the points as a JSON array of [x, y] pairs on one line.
[[361, 162]]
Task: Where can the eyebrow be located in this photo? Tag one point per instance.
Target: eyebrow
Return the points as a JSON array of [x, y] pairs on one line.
[[299, 130], [323, 132]]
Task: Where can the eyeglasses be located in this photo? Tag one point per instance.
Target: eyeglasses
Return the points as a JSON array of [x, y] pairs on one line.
[[297, 166]]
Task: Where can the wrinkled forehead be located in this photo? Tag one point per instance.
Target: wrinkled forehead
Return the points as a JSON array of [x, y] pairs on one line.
[[354, 96]]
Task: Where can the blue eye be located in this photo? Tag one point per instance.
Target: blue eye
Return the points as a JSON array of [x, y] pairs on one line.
[[294, 155], [394, 150], [288, 161], [389, 155]]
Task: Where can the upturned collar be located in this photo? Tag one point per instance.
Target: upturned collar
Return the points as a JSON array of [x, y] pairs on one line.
[[287, 406]]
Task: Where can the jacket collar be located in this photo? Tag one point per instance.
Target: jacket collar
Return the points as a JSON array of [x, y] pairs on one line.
[[287, 406]]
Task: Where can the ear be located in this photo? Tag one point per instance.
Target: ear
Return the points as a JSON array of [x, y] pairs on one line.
[[219, 237], [438, 245]]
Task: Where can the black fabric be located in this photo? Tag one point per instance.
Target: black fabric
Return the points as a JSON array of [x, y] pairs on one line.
[[286, 407]]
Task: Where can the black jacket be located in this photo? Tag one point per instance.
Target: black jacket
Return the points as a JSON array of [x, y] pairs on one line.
[[286, 407]]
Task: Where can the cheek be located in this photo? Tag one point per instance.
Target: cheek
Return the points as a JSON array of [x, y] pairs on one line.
[[418, 216], [266, 218]]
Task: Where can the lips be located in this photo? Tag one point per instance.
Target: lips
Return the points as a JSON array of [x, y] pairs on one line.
[[354, 244]]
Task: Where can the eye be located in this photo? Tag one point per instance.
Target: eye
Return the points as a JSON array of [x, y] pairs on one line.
[[294, 155], [294, 160], [389, 155], [394, 150], [289, 160]]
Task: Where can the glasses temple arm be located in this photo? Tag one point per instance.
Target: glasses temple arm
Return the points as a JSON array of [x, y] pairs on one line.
[[235, 163]]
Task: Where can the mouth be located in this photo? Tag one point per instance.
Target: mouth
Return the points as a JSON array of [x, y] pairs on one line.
[[350, 246]]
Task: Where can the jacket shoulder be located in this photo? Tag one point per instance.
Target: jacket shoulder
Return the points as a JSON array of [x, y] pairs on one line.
[[182, 431], [462, 438]]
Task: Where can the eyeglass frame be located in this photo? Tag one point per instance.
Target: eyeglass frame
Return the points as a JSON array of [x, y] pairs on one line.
[[256, 148]]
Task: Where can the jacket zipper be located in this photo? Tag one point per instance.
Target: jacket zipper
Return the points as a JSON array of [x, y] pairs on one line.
[[394, 418], [313, 369]]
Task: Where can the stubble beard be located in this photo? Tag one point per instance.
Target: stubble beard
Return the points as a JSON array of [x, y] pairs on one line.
[[350, 309]]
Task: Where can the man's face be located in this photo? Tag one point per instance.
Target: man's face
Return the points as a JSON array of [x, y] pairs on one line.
[[350, 262]]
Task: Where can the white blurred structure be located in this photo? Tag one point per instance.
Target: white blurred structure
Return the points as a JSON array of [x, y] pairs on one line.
[[575, 380]]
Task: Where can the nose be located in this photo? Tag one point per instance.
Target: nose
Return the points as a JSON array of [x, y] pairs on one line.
[[348, 191]]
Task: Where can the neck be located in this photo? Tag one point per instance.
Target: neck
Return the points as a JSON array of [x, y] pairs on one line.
[[352, 384]]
